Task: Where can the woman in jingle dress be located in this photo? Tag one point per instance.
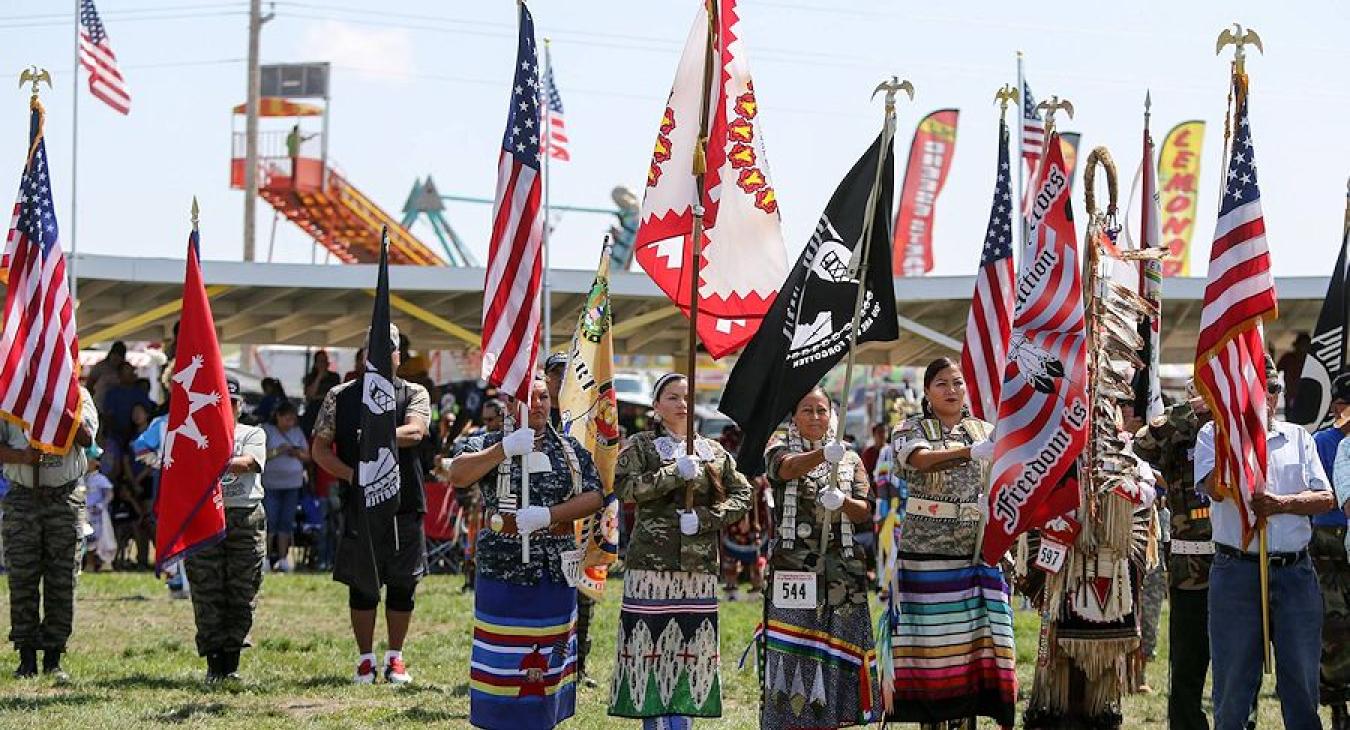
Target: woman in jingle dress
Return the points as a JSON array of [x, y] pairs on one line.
[[667, 667], [953, 626], [820, 658]]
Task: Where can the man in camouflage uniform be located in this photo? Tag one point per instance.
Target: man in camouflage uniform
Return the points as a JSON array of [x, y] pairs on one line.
[[1328, 551], [1168, 445], [42, 529], [225, 577]]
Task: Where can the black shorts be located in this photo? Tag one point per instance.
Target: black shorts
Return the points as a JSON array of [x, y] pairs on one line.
[[400, 561]]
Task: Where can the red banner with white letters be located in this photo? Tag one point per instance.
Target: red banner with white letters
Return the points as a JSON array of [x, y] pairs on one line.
[[930, 158]]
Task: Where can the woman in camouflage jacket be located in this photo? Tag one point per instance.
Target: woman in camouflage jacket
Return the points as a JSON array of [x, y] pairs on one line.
[[667, 666], [951, 620], [818, 660]]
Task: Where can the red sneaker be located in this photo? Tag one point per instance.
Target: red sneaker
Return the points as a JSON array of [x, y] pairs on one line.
[[395, 672], [365, 671]]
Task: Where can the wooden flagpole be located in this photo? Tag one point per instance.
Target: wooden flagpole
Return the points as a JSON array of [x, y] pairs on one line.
[[711, 67]]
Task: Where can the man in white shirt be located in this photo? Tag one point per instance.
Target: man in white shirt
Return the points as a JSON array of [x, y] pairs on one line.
[[1296, 488]]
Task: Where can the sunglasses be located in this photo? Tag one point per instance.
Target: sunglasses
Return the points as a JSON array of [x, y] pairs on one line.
[[1274, 388]]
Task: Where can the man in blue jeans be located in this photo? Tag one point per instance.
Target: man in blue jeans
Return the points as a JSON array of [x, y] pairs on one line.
[[1296, 487]]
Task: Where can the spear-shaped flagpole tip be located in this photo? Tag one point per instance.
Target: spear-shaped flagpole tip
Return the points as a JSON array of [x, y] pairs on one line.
[[384, 236], [195, 211]]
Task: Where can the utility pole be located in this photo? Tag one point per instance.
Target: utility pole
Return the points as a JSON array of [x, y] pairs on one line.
[[255, 23]]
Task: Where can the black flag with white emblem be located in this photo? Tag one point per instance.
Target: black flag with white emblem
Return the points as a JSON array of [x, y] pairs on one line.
[[806, 332], [1324, 361], [377, 476]]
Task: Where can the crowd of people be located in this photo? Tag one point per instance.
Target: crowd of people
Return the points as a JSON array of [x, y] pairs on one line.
[[803, 537]]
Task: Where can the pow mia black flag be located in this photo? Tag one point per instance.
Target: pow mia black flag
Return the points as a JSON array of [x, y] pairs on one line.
[[377, 475], [806, 332], [1312, 407]]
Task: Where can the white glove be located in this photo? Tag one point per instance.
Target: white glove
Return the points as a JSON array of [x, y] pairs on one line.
[[834, 452], [532, 518], [830, 498], [519, 442], [983, 451], [687, 466], [689, 523]]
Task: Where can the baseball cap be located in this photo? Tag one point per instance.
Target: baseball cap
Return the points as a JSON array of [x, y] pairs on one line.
[[232, 386], [556, 360]]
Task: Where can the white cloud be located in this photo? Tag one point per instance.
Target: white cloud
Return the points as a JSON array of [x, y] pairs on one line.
[[376, 54]]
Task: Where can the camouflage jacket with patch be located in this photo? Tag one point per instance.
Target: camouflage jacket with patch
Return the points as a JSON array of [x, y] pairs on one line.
[[1168, 445], [843, 577], [644, 477]]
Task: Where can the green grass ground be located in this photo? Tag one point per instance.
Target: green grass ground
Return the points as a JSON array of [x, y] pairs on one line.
[[134, 664]]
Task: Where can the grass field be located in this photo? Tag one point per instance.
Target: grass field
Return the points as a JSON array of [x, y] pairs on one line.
[[134, 664]]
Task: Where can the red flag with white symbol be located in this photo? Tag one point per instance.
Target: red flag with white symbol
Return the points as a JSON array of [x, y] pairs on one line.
[[199, 435], [743, 261]]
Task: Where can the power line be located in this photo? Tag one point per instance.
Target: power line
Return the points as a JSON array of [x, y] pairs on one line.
[[56, 21]]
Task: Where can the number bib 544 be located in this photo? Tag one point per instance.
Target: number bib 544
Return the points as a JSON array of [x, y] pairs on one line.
[[794, 589]]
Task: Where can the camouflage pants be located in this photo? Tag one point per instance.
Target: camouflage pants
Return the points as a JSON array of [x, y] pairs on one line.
[[1151, 595], [41, 531], [225, 579], [1333, 574]]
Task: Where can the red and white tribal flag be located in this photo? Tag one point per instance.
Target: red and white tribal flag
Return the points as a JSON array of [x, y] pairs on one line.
[[989, 323], [515, 254], [1043, 406], [97, 57], [1230, 354], [199, 434], [743, 261], [39, 352]]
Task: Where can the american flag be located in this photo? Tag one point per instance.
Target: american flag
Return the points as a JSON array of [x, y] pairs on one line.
[[1033, 130], [1230, 354], [990, 319], [556, 141], [97, 57], [515, 255], [39, 353]]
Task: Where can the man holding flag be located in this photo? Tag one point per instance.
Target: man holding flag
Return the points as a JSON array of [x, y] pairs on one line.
[[46, 418], [1263, 474], [377, 423]]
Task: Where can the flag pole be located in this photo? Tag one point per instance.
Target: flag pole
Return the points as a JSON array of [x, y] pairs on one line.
[[1345, 240], [546, 336], [74, 161], [700, 169], [858, 266], [1021, 162], [1239, 39], [524, 484]]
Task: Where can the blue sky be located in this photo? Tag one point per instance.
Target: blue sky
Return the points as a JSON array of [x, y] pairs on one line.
[[420, 87]]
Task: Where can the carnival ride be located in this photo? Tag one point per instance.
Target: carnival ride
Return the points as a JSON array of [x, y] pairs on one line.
[[322, 202]]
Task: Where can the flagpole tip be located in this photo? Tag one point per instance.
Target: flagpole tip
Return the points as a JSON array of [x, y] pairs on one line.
[[35, 75], [195, 211]]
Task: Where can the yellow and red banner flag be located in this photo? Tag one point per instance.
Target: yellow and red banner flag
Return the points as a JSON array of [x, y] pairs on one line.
[[590, 414], [1178, 186]]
